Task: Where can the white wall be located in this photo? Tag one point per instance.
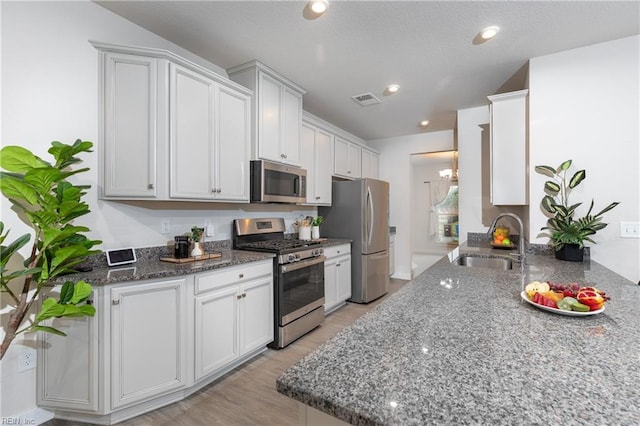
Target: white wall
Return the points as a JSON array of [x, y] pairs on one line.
[[584, 105], [470, 169], [50, 92], [395, 168]]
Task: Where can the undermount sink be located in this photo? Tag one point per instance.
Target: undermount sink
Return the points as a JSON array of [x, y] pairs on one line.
[[498, 263]]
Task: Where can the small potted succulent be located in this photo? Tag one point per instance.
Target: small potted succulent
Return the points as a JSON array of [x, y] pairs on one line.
[[315, 227], [196, 237], [567, 234]]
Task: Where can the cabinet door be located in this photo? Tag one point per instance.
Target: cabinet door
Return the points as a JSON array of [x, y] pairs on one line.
[[308, 160], [330, 285], [68, 373], [292, 120], [370, 164], [256, 314], [148, 341], [341, 157], [233, 144], [508, 164], [191, 134], [324, 166], [216, 326], [355, 161], [269, 118], [130, 126], [343, 274]]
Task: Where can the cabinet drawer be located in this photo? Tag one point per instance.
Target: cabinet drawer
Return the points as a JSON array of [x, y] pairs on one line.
[[234, 274], [334, 251]]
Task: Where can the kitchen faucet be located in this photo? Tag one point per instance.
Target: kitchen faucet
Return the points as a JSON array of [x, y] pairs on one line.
[[520, 237]]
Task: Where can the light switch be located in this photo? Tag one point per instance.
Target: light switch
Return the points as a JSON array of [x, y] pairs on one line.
[[630, 229]]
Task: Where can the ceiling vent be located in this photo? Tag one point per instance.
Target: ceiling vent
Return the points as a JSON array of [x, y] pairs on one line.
[[366, 99]]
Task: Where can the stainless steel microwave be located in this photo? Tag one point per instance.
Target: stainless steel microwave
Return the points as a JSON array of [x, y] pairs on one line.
[[277, 183]]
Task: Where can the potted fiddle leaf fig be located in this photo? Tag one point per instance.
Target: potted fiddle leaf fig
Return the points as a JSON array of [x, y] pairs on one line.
[[567, 233], [47, 202]]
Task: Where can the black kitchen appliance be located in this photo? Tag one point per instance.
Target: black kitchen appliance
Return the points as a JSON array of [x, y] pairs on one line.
[[298, 276]]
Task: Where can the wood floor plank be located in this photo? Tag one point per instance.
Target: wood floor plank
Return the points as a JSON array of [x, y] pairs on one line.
[[247, 395]]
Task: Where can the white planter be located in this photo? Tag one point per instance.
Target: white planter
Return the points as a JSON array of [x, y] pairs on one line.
[[315, 232], [304, 233], [197, 250]]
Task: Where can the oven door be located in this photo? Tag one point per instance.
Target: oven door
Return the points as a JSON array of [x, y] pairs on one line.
[[300, 289]]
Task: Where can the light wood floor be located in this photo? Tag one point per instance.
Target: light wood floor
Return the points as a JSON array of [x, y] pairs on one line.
[[247, 395]]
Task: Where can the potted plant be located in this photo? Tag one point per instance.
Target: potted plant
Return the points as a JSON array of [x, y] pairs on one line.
[[48, 203], [315, 227], [196, 237], [567, 234]]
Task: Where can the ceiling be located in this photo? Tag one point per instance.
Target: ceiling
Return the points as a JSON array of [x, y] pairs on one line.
[[427, 47]]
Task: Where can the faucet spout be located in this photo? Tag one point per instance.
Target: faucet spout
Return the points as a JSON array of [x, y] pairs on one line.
[[521, 250]]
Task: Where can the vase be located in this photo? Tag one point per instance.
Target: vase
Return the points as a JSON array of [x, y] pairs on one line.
[[304, 233], [315, 232], [197, 250], [570, 252]]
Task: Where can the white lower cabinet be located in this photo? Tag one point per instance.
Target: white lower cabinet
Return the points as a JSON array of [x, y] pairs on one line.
[[154, 342], [233, 315], [337, 276], [148, 340]]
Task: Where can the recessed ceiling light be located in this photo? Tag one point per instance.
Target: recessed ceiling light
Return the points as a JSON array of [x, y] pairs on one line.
[[391, 89], [319, 6], [489, 32], [424, 123]]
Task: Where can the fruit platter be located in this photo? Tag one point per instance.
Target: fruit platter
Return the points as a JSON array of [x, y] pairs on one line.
[[565, 299]]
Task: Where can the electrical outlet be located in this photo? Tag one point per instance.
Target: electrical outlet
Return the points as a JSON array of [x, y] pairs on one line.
[[165, 227], [630, 229], [208, 226], [27, 360]]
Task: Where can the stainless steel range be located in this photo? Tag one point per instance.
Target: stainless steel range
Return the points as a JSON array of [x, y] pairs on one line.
[[298, 273]]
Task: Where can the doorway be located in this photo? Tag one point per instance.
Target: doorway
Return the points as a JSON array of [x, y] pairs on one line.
[[434, 208]]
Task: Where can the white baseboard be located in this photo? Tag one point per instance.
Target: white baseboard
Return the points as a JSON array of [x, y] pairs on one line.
[[402, 275]]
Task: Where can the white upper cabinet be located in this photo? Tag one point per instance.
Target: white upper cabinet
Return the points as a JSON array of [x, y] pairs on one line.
[[509, 168], [370, 164], [347, 159], [277, 112], [171, 129], [130, 127], [316, 156], [209, 139]]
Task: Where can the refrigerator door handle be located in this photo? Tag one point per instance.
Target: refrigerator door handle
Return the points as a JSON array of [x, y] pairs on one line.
[[371, 216]]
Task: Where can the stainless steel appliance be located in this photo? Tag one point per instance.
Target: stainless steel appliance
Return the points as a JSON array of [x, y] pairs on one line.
[[298, 273], [277, 183], [360, 212]]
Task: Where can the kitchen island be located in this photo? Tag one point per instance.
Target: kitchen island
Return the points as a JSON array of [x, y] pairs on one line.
[[458, 345]]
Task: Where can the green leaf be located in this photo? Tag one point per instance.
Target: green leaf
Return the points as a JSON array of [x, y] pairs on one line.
[[577, 178], [81, 292], [8, 251], [42, 178], [565, 165], [66, 253], [551, 187], [88, 310], [547, 204], [48, 330], [546, 170], [19, 159], [15, 188], [50, 309], [606, 209], [66, 293]]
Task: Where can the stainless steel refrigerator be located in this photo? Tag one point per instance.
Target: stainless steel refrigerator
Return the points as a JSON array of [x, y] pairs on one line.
[[360, 212]]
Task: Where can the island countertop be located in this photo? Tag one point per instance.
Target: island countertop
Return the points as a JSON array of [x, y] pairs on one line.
[[457, 345]]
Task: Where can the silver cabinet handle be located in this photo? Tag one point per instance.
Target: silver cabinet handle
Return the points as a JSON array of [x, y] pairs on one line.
[[244, 295], [115, 302], [240, 275], [150, 186], [317, 198], [238, 296], [219, 190]]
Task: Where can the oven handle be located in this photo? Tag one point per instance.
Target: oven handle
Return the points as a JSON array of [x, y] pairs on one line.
[[289, 267]]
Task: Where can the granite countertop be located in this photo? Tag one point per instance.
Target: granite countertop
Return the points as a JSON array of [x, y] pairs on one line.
[[457, 345], [149, 265]]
